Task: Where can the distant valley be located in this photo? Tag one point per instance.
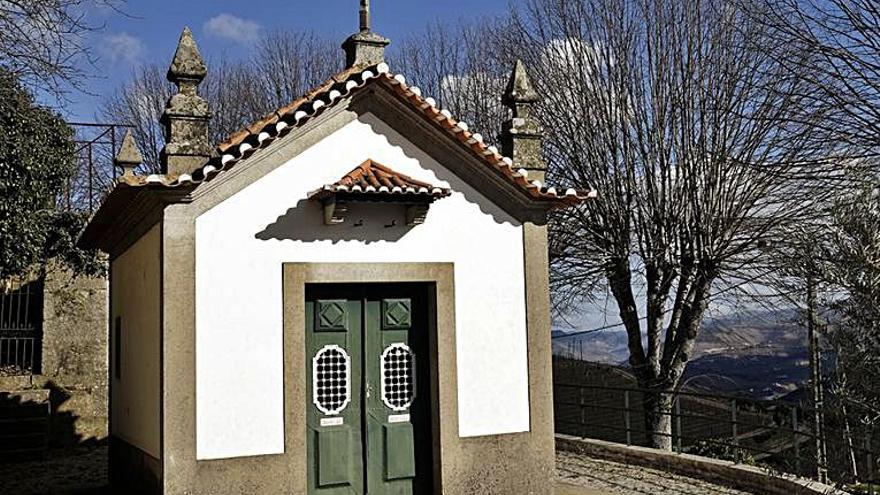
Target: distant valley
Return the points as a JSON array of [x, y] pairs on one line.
[[758, 355]]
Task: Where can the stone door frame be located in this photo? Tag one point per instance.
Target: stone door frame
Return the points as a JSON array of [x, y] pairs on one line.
[[439, 279]]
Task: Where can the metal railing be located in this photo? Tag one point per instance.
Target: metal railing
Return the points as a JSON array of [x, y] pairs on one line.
[[18, 355], [771, 433], [96, 145], [21, 310], [21, 303]]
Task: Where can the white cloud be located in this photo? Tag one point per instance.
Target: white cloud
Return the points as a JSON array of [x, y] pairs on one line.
[[474, 82], [233, 28], [122, 47]]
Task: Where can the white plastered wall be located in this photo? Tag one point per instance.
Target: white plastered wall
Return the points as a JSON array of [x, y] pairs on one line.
[[241, 245], [135, 298]]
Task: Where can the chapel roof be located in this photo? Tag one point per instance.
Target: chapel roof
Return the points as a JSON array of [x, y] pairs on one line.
[[260, 134], [371, 179]]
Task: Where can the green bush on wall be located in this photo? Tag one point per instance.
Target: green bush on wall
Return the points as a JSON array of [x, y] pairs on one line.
[[718, 449], [36, 162]]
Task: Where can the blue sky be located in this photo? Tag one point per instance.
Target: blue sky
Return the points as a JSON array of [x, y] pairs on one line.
[[149, 33], [150, 30]]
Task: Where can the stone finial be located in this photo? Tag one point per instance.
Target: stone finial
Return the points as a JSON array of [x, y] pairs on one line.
[[519, 88], [364, 48], [522, 136], [128, 157], [188, 64], [186, 116]]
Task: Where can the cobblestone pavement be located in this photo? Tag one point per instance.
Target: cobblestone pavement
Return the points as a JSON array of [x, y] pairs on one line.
[[83, 471], [79, 471], [611, 478]]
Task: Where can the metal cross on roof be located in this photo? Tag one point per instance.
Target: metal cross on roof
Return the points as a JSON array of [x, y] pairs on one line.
[[365, 15]]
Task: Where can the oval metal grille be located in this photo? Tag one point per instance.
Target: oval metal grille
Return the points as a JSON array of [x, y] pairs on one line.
[[398, 377], [331, 379]]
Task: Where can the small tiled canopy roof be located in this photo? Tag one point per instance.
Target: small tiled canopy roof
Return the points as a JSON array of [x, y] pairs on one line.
[[376, 181]]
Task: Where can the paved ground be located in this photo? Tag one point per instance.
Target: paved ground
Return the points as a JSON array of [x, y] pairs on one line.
[[83, 471], [580, 475], [80, 471], [566, 489]]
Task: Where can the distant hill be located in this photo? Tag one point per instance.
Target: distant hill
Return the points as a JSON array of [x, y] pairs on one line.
[[756, 354], [599, 411], [606, 346], [767, 332]]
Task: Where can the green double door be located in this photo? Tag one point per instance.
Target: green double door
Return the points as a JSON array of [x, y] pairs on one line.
[[368, 419]]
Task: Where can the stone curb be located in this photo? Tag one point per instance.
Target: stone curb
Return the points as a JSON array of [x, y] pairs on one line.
[[738, 476], [25, 396]]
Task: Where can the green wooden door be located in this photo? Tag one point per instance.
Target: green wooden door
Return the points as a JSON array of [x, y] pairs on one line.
[[333, 418], [390, 387], [380, 442]]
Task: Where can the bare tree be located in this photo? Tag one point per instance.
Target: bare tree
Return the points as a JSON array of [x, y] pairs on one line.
[[287, 64], [844, 69], [845, 78], [853, 264], [797, 279], [290, 63], [42, 42], [464, 67], [140, 103], [700, 147]]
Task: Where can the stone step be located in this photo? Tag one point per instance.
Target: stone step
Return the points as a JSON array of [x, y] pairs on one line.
[[24, 424], [35, 395], [23, 411]]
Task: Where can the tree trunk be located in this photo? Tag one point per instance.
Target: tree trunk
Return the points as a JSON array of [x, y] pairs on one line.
[[816, 381], [847, 434], [658, 418]]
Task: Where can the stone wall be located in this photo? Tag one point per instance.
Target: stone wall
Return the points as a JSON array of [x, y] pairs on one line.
[[74, 358], [726, 473], [75, 355]]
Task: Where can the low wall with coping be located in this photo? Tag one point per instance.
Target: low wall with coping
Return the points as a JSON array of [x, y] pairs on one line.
[[74, 365], [73, 375], [739, 476]]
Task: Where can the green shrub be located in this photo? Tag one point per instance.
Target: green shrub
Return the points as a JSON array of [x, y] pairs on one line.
[[717, 449], [36, 161]]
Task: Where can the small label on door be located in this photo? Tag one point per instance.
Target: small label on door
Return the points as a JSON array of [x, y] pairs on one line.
[[398, 418], [337, 421]]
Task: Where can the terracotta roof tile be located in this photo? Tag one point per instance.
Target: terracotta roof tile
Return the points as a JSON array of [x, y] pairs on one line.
[[371, 178], [244, 143], [274, 117]]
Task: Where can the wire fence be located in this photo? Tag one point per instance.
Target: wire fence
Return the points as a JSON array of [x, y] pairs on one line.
[[777, 435]]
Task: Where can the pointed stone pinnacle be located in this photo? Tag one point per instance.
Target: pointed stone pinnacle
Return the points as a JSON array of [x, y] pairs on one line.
[[187, 63], [519, 87], [521, 136], [186, 116], [128, 157], [128, 152]]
